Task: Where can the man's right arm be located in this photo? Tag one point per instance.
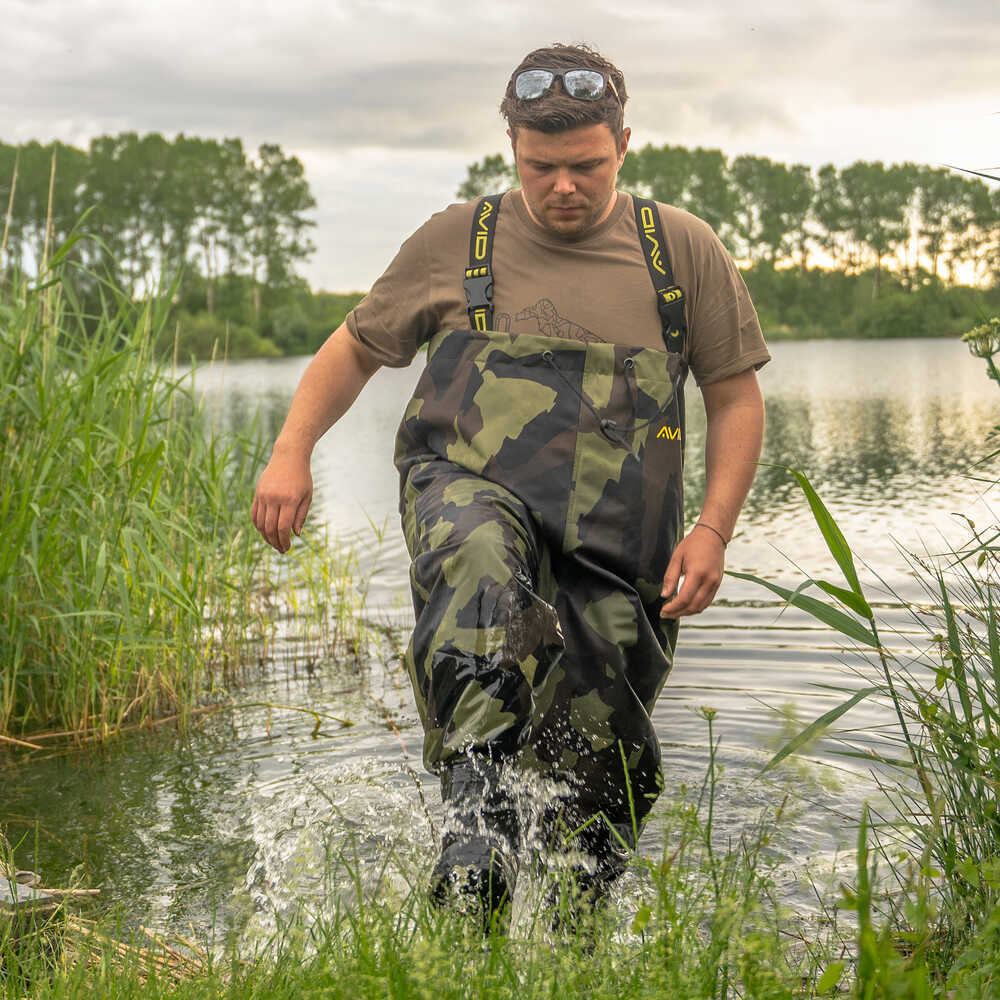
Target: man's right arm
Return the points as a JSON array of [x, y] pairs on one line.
[[325, 393]]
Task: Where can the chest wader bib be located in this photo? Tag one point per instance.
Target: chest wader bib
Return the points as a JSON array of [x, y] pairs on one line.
[[541, 499]]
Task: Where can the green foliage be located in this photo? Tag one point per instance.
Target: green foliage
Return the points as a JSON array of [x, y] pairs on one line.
[[228, 228], [947, 701], [203, 335], [773, 203], [293, 319], [928, 311], [279, 199], [697, 180], [976, 972], [488, 176], [825, 303], [120, 504], [306, 319], [875, 203], [31, 165]]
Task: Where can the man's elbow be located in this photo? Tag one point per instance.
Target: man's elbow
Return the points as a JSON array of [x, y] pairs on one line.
[[366, 362]]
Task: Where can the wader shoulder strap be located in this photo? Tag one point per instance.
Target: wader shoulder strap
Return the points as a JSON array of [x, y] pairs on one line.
[[479, 274], [669, 296]]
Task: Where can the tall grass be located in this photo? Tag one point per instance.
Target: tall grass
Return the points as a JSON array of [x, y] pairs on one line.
[[126, 564], [697, 921], [939, 834]]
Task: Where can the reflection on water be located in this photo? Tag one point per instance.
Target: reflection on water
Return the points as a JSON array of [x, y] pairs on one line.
[[239, 816]]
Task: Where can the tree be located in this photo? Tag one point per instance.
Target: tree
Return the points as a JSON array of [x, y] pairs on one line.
[[830, 210], [711, 195], [10, 225], [212, 218], [942, 205], [660, 172], [114, 185], [987, 225], [875, 201], [488, 176], [773, 205], [277, 231], [695, 180], [31, 222]]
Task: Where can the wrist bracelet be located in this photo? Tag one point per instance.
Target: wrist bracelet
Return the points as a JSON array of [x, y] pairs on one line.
[[702, 524]]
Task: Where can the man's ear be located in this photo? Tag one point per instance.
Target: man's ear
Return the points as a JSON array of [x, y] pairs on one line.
[[513, 140], [623, 149]]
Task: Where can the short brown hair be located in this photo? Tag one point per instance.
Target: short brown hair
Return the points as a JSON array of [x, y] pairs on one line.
[[556, 111]]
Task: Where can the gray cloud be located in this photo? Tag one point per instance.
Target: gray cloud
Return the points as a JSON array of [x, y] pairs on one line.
[[815, 82], [353, 74]]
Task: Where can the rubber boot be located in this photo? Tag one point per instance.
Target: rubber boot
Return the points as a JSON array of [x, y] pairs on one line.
[[594, 855], [477, 869]]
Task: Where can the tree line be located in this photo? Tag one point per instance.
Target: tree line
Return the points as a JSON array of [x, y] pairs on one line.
[[228, 228], [228, 225], [923, 223]]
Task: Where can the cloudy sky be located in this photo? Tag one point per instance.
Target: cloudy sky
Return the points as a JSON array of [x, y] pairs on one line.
[[386, 102]]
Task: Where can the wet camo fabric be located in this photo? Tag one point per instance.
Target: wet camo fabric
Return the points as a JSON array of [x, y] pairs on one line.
[[541, 498]]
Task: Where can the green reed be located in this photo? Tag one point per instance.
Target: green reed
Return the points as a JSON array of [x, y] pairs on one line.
[[939, 838], [131, 582]]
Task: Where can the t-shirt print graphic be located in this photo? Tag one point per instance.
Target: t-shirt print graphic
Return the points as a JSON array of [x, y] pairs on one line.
[[551, 324]]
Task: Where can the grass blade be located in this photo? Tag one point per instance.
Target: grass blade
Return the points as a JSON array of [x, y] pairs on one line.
[[816, 727], [832, 534], [832, 617]]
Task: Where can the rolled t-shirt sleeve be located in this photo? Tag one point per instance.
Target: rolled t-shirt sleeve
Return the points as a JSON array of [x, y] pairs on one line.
[[725, 334], [397, 316]]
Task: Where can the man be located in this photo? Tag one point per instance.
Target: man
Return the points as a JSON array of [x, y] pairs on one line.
[[540, 466]]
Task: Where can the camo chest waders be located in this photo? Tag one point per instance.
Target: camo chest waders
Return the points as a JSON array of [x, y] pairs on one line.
[[541, 499]]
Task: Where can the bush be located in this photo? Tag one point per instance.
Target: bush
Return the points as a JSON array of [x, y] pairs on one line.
[[203, 335]]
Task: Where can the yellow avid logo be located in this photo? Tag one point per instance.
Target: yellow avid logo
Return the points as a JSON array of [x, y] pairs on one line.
[[648, 230], [482, 230], [672, 433]]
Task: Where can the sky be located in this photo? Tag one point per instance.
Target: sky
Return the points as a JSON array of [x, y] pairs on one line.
[[387, 102]]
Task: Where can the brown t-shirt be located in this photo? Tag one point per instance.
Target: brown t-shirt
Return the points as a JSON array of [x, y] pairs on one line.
[[592, 288]]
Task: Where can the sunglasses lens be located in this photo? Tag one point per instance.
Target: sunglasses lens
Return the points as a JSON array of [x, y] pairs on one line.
[[585, 84], [532, 84]]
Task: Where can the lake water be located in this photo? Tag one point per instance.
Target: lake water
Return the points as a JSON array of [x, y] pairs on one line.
[[235, 822]]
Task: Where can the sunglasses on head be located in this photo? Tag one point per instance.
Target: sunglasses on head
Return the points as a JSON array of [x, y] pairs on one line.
[[583, 84]]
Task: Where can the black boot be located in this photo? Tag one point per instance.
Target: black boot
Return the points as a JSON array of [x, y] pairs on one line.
[[477, 869], [594, 854]]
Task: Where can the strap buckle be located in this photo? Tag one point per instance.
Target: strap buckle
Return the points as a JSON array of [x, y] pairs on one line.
[[478, 285], [670, 305]]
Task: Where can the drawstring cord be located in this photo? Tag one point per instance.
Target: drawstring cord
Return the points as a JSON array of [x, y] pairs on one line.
[[633, 385], [610, 427]]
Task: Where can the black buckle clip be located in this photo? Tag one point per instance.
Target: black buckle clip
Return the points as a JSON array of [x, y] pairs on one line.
[[478, 286]]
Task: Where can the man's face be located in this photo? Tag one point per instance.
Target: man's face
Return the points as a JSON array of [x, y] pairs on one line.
[[568, 178]]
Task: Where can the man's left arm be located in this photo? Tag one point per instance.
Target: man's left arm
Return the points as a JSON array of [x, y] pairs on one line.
[[734, 412]]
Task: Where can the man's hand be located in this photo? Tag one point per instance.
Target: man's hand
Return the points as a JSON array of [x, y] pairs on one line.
[[699, 558], [326, 391], [734, 413], [282, 500]]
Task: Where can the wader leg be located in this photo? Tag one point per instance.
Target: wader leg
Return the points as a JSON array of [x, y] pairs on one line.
[[482, 636], [595, 725], [481, 639]]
